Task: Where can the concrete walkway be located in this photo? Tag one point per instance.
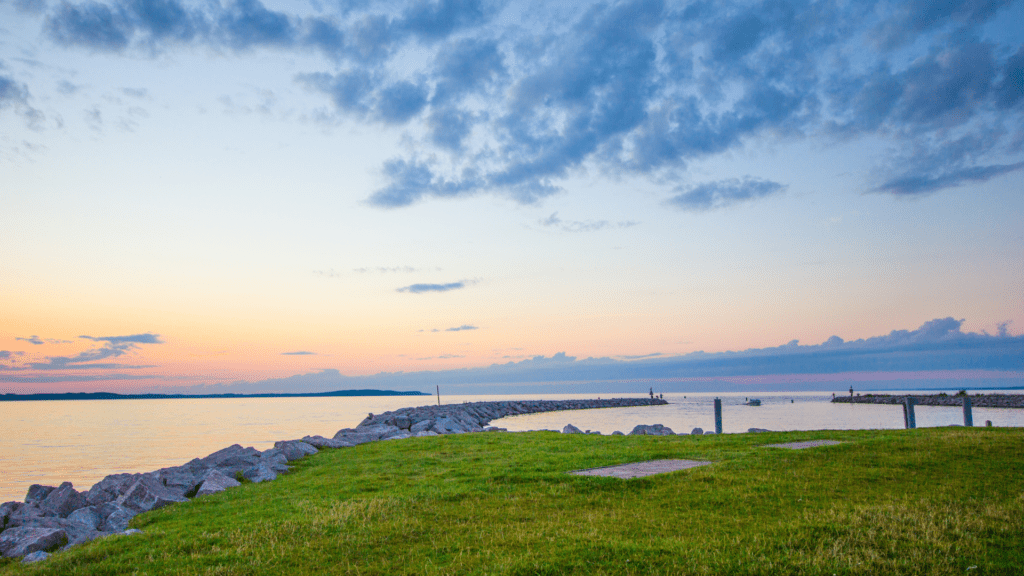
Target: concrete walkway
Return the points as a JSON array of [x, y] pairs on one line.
[[802, 445], [640, 469]]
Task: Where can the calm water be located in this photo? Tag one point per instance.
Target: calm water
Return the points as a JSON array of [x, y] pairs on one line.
[[83, 441]]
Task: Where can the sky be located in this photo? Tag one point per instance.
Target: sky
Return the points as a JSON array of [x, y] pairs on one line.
[[297, 196]]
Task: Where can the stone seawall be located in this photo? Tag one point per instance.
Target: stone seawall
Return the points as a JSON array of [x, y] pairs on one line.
[[475, 416], [977, 400], [54, 517]]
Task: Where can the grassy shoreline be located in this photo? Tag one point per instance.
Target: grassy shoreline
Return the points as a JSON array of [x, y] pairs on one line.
[[925, 501]]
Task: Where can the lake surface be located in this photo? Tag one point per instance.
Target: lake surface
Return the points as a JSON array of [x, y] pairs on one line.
[[84, 440]]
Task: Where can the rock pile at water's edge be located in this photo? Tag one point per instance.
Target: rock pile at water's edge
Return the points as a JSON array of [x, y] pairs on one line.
[[55, 517]]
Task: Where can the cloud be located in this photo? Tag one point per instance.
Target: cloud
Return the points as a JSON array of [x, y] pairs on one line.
[[917, 184], [12, 92], [55, 379], [461, 328], [248, 23], [30, 6], [641, 356], [421, 288], [123, 340], [32, 340], [582, 226], [89, 25], [387, 269], [299, 353], [113, 347], [715, 195], [634, 88]]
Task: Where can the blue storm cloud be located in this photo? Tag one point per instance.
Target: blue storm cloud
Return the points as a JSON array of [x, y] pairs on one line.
[[422, 288], [461, 328], [113, 347], [12, 92], [298, 353], [633, 87], [938, 344], [724, 193]]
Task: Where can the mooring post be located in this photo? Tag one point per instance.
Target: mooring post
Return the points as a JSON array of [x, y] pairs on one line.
[[438, 394], [908, 405], [968, 417], [718, 415]]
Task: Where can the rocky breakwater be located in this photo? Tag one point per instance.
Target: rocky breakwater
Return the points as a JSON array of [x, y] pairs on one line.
[[977, 400], [469, 417], [52, 517]]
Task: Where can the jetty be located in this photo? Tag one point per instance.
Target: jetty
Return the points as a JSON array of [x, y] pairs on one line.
[[978, 400]]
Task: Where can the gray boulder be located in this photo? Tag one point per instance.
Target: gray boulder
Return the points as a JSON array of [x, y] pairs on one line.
[[295, 449], [232, 459], [446, 425], [570, 429], [421, 426], [275, 460], [423, 433], [25, 515], [216, 482], [617, 433], [757, 430], [37, 556], [115, 517], [495, 429], [403, 422], [377, 431], [37, 493], [185, 479], [697, 431], [147, 493], [320, 442], [707, 432], [88, 516], [110, 488], [355, 437], [63, 501], [6, 509], [260, 473], [15, 542], [398, 436], [651, 430], [77, 532]]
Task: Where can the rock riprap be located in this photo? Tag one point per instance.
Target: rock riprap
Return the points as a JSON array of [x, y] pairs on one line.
[[977, 400], [55, 517]]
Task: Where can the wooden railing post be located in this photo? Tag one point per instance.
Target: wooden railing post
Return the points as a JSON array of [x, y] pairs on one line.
[[968, 417], [718, 416]]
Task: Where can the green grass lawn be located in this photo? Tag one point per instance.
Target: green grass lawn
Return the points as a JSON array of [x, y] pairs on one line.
[[925, 501]]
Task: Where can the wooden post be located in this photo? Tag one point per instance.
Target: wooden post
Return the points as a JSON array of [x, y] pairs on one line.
[[438, 394], [968, 417], [908, 405], [718, 416]]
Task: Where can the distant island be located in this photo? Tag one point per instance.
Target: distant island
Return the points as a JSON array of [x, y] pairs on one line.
[[113, 396]]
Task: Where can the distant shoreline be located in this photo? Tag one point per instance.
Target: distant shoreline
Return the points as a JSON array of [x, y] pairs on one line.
[[113, 396]]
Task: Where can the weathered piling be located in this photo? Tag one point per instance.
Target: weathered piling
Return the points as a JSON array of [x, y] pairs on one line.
[[909, 421], [968, 417], [718, 415]]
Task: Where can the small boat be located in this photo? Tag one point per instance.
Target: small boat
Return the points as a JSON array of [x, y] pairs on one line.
[[753, 402]]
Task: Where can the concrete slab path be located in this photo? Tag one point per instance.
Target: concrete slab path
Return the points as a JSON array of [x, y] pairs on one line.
[[802, 445], [640, 469]]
